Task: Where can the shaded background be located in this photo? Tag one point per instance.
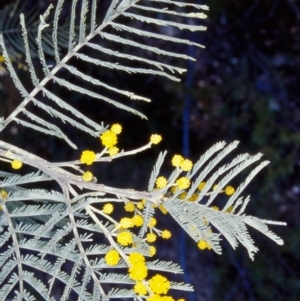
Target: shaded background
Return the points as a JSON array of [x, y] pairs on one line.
[[244, 86]]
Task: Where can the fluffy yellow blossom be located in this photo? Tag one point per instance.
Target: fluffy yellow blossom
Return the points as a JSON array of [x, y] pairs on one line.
[[152, 250], [215, 187], [177, 160], [151, 237], [186, 165], [159, 284], [201, 185], [87, 157], [161, 182], [124, 238], [138, 271], [126, 223], [136, 258], [16, 164], [87, 176], [166, 234], [215, 208], [140, 205], [155, 139], [3, 194], [152, 222], [138, 220], [140, 288], [203, 244], [112, 257], [108, 208], [183, 182], [116, 128], [129, 207], [112, 151], [229, 190], [109, 139]]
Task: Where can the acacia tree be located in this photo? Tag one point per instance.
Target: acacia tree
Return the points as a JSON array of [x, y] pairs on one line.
[[71, 235]]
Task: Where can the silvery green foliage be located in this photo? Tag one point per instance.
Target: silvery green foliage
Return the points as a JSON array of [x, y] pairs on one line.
[[11, 30], [53, 243]]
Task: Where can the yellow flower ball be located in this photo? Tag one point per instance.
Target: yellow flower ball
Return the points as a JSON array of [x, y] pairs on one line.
[[112, 257], [183, 182], [151, 237], [3, 194], [129, 207], [177, 160], [140, 288], [124, 238], [87, 157], [116, 128], [159, 284], [16, 164], [155, 138], [136, 258], [186, 165], [152, 250], [166, 234], [109, 139], [108, 208], [138, 220], [152, 222], [126, 223], [229, 190], [112, 151], [87, 176], [202, 244], [161, 182], [138, 271]]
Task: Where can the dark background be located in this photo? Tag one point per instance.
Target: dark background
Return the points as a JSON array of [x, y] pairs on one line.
[[244, 86]]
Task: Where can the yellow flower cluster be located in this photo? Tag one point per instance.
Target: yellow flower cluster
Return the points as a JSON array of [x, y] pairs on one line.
[[138, 270], [184, 164], [109, 139], [88, 157]]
